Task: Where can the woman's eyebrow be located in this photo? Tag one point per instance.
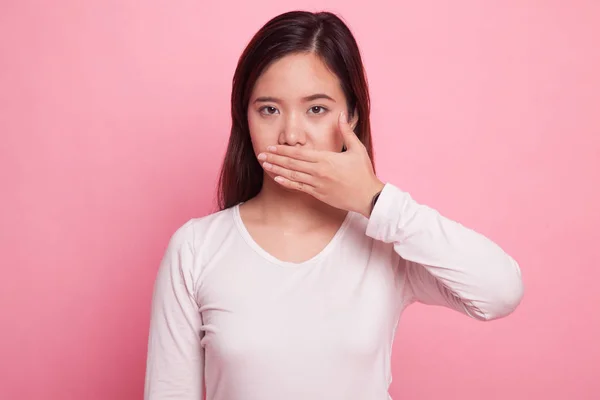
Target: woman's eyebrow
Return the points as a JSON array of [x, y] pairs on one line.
[[317, 96], [312, 97], [267, 99]]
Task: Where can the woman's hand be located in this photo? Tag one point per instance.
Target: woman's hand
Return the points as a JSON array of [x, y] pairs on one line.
[[343, 180]]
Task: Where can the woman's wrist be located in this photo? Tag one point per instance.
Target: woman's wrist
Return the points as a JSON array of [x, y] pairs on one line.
[[374, 201], [374, 193]]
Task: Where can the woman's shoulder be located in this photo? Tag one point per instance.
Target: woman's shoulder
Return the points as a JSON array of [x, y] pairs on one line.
[[197, 230]]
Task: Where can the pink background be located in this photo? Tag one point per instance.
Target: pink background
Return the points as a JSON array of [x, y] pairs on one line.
[[114, 117]]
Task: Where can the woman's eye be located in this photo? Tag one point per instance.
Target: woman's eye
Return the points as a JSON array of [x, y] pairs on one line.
[[317, 110], [268, 110]]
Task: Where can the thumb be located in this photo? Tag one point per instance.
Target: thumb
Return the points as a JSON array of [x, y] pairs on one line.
[[349, 137]]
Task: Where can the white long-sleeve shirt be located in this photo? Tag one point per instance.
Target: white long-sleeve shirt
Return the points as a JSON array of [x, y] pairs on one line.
[[231, 322]]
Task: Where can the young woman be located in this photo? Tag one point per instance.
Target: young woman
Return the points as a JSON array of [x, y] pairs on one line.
[[293, 290]]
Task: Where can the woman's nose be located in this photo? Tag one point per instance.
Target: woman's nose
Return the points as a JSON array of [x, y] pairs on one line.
[[293, 131]]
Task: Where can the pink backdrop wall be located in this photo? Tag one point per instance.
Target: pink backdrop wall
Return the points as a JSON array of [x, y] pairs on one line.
[[114, 119]]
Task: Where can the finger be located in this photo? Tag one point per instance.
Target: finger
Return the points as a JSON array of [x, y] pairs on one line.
[[289, 163], [302, 187], [297, 153], [348, 136], [289, 174]]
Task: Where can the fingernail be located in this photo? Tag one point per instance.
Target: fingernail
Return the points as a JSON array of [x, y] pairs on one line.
[[267, 165], [343, 116], [262, 156], [272, 148]]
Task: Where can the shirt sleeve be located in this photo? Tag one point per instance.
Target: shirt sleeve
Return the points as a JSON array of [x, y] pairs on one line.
[[175, 359], [444, 262]]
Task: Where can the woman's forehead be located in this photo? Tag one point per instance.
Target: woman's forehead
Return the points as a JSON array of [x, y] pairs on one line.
[[297, 76]]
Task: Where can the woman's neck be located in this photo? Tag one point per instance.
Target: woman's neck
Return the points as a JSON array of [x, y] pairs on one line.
[[280, 206]]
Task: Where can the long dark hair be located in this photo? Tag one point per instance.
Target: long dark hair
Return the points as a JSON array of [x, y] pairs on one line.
[[323, 34]]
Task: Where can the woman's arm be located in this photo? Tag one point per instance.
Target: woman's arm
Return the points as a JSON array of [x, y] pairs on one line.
[[444, 262], [175, 363]]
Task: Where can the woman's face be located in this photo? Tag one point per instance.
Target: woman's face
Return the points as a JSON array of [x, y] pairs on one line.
[[296, 102]]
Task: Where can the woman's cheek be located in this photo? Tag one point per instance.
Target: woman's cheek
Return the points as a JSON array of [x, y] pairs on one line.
[[262, 137], [334, 138]]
